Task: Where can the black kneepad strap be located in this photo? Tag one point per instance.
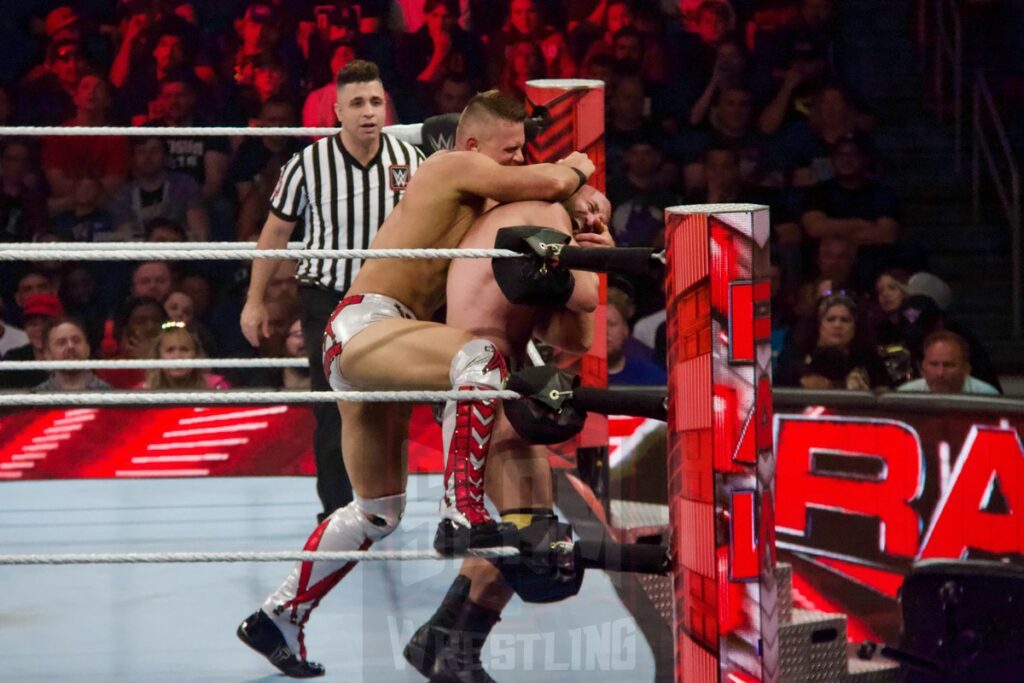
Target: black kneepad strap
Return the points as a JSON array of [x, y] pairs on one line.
[[544, 414], [532, 281]]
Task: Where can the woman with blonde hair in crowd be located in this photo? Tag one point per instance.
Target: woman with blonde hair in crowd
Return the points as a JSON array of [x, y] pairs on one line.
[[176, 341]]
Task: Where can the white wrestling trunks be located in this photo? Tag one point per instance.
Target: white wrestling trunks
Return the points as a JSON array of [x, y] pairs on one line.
[[353, 315]]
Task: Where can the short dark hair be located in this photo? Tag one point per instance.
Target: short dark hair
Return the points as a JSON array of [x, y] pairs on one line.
[[721, 148], [171, 29], [341, 42], [140, 140], [183, 76], [357, 71], [124, 311], [430, 5], [604, 59], [7, 143], [722, 9], [900, 275], [154, 224], [628, 32], [622, 300], [139, 264], [269, 60], [53, 323], [457, 78], [722, 91], [278, 101], [497, 104], [34, 272], [948, 337]]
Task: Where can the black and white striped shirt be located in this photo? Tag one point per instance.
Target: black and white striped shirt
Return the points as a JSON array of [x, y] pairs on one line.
[[341, 202]]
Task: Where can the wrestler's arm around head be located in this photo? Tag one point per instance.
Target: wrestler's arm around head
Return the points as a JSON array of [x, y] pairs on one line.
[[475, 174]]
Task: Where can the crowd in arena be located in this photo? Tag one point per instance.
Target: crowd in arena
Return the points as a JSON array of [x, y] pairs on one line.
[[707, 101]]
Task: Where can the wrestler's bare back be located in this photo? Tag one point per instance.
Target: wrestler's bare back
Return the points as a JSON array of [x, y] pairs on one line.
[[433, 214], [475, 302]]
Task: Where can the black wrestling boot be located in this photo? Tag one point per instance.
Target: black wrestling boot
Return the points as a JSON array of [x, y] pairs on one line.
[[459, 660], [433, 635], [259, 632], [452, 538]]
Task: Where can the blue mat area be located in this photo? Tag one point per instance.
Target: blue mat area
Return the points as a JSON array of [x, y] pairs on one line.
[[176, 622]]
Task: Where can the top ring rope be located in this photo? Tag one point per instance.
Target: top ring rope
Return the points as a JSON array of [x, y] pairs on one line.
[[127, 246], [151, 363], [232, 397], [55, 253], [411, 133], [259, 556]]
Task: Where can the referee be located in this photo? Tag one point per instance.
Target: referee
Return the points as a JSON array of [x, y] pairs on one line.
[[342, 187]]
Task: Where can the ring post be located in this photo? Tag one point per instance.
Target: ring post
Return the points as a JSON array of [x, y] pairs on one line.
[[575, 108], [720, 460]]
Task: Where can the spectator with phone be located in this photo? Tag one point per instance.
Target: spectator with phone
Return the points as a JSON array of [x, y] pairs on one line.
[[438, 49]]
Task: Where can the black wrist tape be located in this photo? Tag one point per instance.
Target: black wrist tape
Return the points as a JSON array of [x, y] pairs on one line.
[[583, 178]]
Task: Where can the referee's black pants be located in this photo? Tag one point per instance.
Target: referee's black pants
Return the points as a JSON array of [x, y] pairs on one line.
[[332, 484]]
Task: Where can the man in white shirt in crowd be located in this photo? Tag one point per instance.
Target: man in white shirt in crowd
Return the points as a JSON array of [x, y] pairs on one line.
[[945, 368]]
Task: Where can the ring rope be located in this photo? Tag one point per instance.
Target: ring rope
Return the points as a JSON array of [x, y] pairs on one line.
[[152, 363], [268, 556], [122, 246], [411, 132], [161, 254], [230, 397]]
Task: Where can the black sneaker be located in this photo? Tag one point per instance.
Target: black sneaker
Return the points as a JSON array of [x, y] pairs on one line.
[[421, 651], [259, 632], [452, 538], [459, 660]]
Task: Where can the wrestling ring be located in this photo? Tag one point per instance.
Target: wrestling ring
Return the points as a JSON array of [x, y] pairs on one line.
[[107, 621]]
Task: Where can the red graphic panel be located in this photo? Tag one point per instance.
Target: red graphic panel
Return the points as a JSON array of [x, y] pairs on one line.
[[154, 442], [814, 454], [576, 123], [733, 430], [161, 442], [250, 440], [743, 565], [749, 319], [993, 460], [575, 111], [719, 444], [741, 321]]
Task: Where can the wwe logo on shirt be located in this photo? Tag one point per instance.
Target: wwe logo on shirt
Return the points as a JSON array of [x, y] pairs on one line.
[[399, 177]]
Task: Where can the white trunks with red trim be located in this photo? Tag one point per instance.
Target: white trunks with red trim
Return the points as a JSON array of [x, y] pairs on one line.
[[353, 315]]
